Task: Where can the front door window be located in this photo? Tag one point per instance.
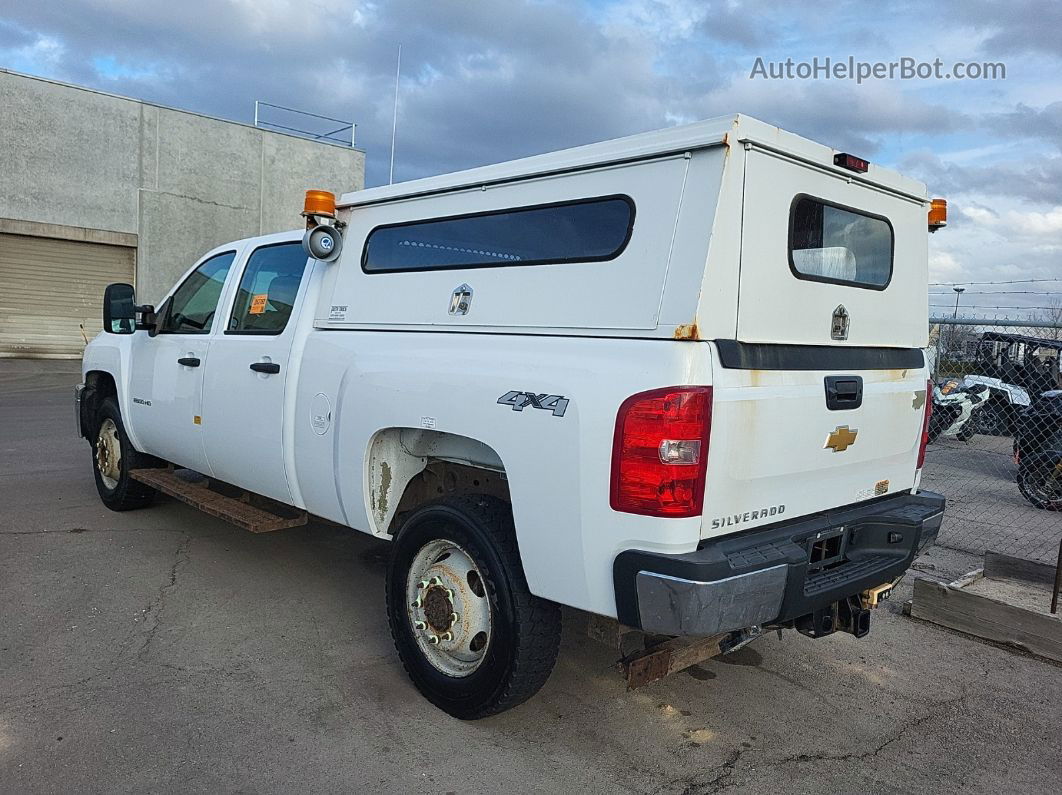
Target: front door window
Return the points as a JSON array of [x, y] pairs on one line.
[[192, 307]]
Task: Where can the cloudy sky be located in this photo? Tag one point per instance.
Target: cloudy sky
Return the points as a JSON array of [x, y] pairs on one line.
[[486, 81]]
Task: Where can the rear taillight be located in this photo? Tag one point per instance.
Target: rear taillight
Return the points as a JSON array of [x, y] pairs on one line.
[[660, 452], [925, 425]]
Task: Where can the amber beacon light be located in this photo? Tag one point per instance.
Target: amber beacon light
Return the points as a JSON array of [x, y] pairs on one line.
[[319, 202], [938, 214], [323, 239]]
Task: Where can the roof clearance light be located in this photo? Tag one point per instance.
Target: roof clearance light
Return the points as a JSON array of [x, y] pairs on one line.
[[320, 202], [938, 214], [851, 162]]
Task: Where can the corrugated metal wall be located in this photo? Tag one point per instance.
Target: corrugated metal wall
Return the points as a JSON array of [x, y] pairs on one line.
[[51, 292]]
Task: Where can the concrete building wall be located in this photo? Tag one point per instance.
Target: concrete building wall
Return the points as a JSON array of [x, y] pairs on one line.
[[182, 183]]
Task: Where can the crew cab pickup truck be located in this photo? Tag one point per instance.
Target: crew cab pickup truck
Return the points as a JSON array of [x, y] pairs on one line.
[[673, 379]]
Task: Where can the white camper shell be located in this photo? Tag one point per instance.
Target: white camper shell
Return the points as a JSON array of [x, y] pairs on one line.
[[674, 379], [711, 224]]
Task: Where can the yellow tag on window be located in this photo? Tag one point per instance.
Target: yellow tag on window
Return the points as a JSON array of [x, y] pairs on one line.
[[258, 304]]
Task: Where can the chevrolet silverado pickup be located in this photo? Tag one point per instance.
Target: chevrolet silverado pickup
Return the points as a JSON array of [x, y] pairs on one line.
[[674, 379]]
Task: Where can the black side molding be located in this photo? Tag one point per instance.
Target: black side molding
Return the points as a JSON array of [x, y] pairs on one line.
[[736, 355]]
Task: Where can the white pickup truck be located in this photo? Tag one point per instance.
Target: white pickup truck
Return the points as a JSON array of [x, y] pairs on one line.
[[674, 379]]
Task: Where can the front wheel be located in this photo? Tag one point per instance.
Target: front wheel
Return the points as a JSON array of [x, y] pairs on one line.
[[112, 457], [470, 634], [967, 431], [992, 419], [1042, 485]]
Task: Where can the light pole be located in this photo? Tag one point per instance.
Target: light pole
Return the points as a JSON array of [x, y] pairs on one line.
[[958, 292]]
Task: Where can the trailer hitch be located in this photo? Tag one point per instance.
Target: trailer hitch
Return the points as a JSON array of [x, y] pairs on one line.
[[848, 615]]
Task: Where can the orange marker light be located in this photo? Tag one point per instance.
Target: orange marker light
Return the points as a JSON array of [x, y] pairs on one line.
[[938, 214], [320, 202]]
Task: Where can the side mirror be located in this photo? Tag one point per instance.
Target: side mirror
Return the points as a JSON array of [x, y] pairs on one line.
[[119, 309]]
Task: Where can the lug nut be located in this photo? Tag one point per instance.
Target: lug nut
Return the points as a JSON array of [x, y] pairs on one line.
[[423, 584], [436, 580], [450, 595], [419, 625], [454, 618], [417, 603], [447, 636], [433, 639]]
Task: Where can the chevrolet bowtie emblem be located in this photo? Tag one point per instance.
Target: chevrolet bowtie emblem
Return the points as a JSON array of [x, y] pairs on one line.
[[841, 439]]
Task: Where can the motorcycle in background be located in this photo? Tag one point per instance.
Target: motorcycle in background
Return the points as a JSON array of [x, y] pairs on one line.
[[954, 404], [1038, 451]]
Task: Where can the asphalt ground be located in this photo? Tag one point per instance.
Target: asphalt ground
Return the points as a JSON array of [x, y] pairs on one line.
[[164, 650], [985, 509]]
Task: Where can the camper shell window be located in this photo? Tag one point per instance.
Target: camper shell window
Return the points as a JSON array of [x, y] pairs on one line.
[[840, 245], [587, 230]]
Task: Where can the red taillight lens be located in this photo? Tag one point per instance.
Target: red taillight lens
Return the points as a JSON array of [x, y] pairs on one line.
[[925, 425], [660, 452]]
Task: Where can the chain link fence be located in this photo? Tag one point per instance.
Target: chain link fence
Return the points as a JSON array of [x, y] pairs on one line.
[[996, 435]]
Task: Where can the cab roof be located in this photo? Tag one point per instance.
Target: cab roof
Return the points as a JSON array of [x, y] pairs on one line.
[[719, 131]]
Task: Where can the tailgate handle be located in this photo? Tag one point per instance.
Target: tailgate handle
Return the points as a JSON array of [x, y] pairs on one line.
[[844, 392]]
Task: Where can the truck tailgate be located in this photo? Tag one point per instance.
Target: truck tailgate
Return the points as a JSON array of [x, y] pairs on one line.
[[777, 451]]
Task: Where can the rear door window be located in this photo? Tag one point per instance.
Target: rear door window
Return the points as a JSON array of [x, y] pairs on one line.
[[839, 245], [268, 289]]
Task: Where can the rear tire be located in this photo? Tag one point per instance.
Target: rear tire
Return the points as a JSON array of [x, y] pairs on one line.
[[495, 643], [113, 456]]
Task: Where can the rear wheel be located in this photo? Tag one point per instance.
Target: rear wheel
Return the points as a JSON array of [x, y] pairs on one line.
[[471, 636], [1042, 485], [112, 458]]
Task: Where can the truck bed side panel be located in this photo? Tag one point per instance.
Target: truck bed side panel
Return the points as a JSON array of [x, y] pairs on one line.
[[558, 467]]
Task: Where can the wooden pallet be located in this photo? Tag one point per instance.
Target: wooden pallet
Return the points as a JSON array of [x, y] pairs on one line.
[[236, 510]]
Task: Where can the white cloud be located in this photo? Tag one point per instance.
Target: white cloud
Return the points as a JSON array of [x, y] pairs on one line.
[[484, 81]]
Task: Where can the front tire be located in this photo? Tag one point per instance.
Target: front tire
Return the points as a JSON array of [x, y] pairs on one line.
[[1041, 484], [470, 634], [992, 419], [112, 457]]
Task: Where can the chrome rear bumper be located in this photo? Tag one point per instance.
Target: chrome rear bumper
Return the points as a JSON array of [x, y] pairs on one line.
[[777, 574], [674, 606]]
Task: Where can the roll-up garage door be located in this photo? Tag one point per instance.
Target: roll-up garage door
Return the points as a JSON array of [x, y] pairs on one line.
[[51, 293]]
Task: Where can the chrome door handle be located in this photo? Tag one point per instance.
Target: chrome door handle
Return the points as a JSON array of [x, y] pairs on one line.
[[265, 367], [189, 361]]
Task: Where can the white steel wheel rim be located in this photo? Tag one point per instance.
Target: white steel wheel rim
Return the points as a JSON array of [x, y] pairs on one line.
[[447, 608], [109, 453]]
